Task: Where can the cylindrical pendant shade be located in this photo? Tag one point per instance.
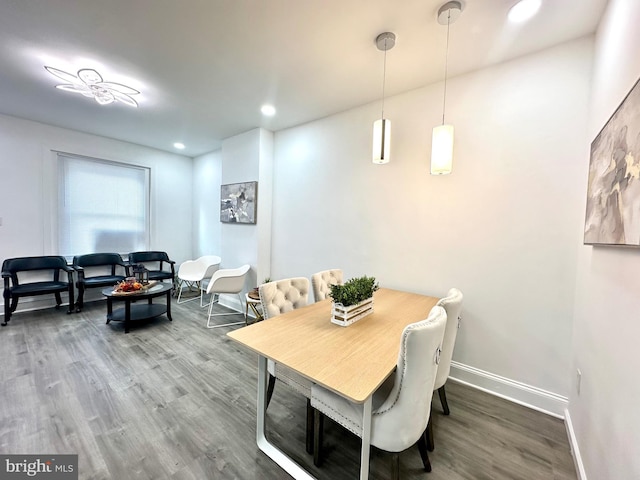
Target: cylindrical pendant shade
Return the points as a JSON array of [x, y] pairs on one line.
[[442, 150], [381, 141]]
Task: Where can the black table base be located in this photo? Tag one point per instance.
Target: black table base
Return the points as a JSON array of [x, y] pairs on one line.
[[132, 312]]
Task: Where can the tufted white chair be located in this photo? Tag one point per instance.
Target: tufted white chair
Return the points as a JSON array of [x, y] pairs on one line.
[[400, 412], [283, 296], [320, 282], [452, 304], [193, 273], [226, 280], [279, 297], [276, 298]]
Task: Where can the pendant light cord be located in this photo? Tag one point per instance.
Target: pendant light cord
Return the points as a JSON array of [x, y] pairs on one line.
[[384, 75], [446, 66]]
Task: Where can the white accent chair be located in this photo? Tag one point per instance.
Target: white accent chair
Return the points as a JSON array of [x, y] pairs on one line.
[[400, 409], [193, 273], [321, 281], [230, 281], [452, 304], [279, 297]]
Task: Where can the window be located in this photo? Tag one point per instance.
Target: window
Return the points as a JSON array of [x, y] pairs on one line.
[[103, 206]]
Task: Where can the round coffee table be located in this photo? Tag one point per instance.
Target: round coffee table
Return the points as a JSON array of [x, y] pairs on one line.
[[145, 311]]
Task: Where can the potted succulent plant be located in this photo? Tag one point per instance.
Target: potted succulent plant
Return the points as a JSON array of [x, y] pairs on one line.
[[352, 300]]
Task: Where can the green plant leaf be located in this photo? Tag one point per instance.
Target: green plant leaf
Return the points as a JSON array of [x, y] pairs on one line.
[[353, 291]]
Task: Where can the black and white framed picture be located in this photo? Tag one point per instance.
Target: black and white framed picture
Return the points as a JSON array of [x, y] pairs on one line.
[[238, 202], [613, 196]]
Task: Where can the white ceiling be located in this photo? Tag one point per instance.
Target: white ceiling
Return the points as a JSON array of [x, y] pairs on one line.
[[205, 67]]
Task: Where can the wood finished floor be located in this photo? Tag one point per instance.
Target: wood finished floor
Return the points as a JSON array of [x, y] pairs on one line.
[[174, 400]]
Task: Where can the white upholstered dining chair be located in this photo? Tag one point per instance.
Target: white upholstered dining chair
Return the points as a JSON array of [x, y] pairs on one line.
[[401, 407], [321, 281], [229, 281], [193, 273], [452, 304], [282, 296], [279, 297]]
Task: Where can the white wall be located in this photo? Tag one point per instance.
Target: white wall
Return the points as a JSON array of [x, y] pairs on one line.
[[265, 203], [240, 163], [207, 178], [605, 416], [245, 157], [29, 187], [502, 227]]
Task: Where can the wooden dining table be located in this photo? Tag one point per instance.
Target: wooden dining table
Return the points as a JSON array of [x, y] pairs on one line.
[[352, 361]]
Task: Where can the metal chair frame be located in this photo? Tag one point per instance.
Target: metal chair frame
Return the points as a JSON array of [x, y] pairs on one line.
[[228, 281]]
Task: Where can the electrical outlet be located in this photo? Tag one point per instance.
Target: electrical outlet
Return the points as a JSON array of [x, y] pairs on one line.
[[578, 380]]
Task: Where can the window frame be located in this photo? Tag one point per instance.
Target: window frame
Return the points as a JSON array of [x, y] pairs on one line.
[[58, 174]]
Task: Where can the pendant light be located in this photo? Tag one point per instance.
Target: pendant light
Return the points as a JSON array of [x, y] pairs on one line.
[[442, 138], [382, 127]]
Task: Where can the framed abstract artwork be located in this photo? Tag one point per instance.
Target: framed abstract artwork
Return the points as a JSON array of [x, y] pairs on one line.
[[238, 202], [613, 191]]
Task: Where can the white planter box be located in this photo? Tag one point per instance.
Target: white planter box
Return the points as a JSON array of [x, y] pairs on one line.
[[345, 316]]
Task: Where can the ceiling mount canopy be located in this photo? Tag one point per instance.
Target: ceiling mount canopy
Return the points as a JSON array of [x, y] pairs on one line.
[[449, 12], [382, 127], [386, 41]]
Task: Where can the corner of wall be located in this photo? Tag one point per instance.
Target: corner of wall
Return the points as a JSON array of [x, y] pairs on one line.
[[575, 449]]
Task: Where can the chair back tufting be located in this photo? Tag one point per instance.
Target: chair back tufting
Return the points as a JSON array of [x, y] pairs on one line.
[[321, 281], [283, 296]]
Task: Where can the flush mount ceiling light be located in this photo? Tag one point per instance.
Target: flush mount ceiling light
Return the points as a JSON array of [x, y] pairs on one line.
[[268, 110], [178, 145], [382, 127], [524, 10], [90, 84], [442, 138]]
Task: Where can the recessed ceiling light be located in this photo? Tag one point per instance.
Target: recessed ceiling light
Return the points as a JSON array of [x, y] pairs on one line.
[[179, 146], [90, 84], [524, 10], [268, 110]]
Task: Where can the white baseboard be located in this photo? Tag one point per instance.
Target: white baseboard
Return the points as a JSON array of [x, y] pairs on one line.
[[575, 449], [517, 392], [29, 304]]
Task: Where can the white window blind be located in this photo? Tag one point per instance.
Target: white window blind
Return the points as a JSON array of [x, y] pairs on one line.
[[103, 206]]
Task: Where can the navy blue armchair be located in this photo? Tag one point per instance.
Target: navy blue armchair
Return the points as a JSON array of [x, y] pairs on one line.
[[13, 289]]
